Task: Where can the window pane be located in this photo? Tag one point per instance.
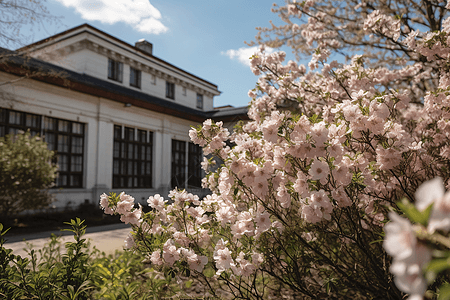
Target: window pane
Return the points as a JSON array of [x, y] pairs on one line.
[[129, 134], [63, 163], [77, 144], [149, 153], [76, 164], [77, 128], [135, 77], [199, 101], [110, 68], [15, 118], [63, 126], [130, 151], [63, 143], [50, 140], [124, 150], [2, 115], [142, 152], [130, 168], [117, 132], [142, 136], [116, 149], [49, 124], [32, 121], [116, 167], [75, 180], [62, 180]]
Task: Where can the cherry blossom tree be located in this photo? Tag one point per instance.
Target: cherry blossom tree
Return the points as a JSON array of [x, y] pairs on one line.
[[380, 30], [299, 205]]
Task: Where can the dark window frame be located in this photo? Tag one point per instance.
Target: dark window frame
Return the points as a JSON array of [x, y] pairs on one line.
[[115, 70], [68, 141], [132, 158], [195, 158], [178, 170], [199, 104], [6, 127], [135, 77], [170, 90], [11, 121]]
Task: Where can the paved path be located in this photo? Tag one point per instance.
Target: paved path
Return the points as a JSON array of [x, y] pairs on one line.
[[106, 238]]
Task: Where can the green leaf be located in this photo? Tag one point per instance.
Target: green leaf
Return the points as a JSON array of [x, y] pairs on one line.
[[438, 265], [413, 214], [209, 272], [444, 292]]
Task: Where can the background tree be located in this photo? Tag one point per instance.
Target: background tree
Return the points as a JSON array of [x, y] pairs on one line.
[[26, 173], [15, 15], [338, 30], [19, 20]]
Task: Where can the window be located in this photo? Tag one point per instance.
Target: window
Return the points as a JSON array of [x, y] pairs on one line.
[[12, 121], [132, 158], [170, 90], [200, 101], [135, 77], [194, 166], [178, 178], [115, 69], [64, 137], [67, 139]]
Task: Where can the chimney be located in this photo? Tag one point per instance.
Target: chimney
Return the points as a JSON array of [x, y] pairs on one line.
[[145, 46]]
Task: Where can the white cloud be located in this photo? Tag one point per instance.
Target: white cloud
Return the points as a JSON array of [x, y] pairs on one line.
[[140, 14], [243, 54]]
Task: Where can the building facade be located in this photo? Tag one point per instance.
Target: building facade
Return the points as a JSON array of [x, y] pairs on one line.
[[117, 116]]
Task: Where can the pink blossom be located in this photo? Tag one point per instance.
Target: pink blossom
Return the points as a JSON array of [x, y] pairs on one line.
[[125, 205], [133, 217], [433, 192], [319, 171], [129, 242], [170, 252], [104, 203], [155, 258], [222, 257], [400, 240], [409, 271], [197, 262], [156, 202], [262, 222]]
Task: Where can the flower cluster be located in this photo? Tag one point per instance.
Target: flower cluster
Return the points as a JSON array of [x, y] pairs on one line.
[[124, 206]]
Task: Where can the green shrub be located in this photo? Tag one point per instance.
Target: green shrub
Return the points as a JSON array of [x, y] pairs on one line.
[[79, 271], [26, 173]]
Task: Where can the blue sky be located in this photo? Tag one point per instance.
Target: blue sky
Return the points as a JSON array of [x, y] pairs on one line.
[[203, 37]]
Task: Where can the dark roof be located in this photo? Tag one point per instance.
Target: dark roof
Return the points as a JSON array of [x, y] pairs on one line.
[[230, 114], [11, 62]]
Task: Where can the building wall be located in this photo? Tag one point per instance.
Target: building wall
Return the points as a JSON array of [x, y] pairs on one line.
[[88, 53], [99, 116]]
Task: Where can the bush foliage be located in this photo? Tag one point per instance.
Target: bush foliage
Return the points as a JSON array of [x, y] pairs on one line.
[[78, 271], [26, 173]]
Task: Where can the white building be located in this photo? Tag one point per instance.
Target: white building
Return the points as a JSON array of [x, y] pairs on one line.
[[117, 116]]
